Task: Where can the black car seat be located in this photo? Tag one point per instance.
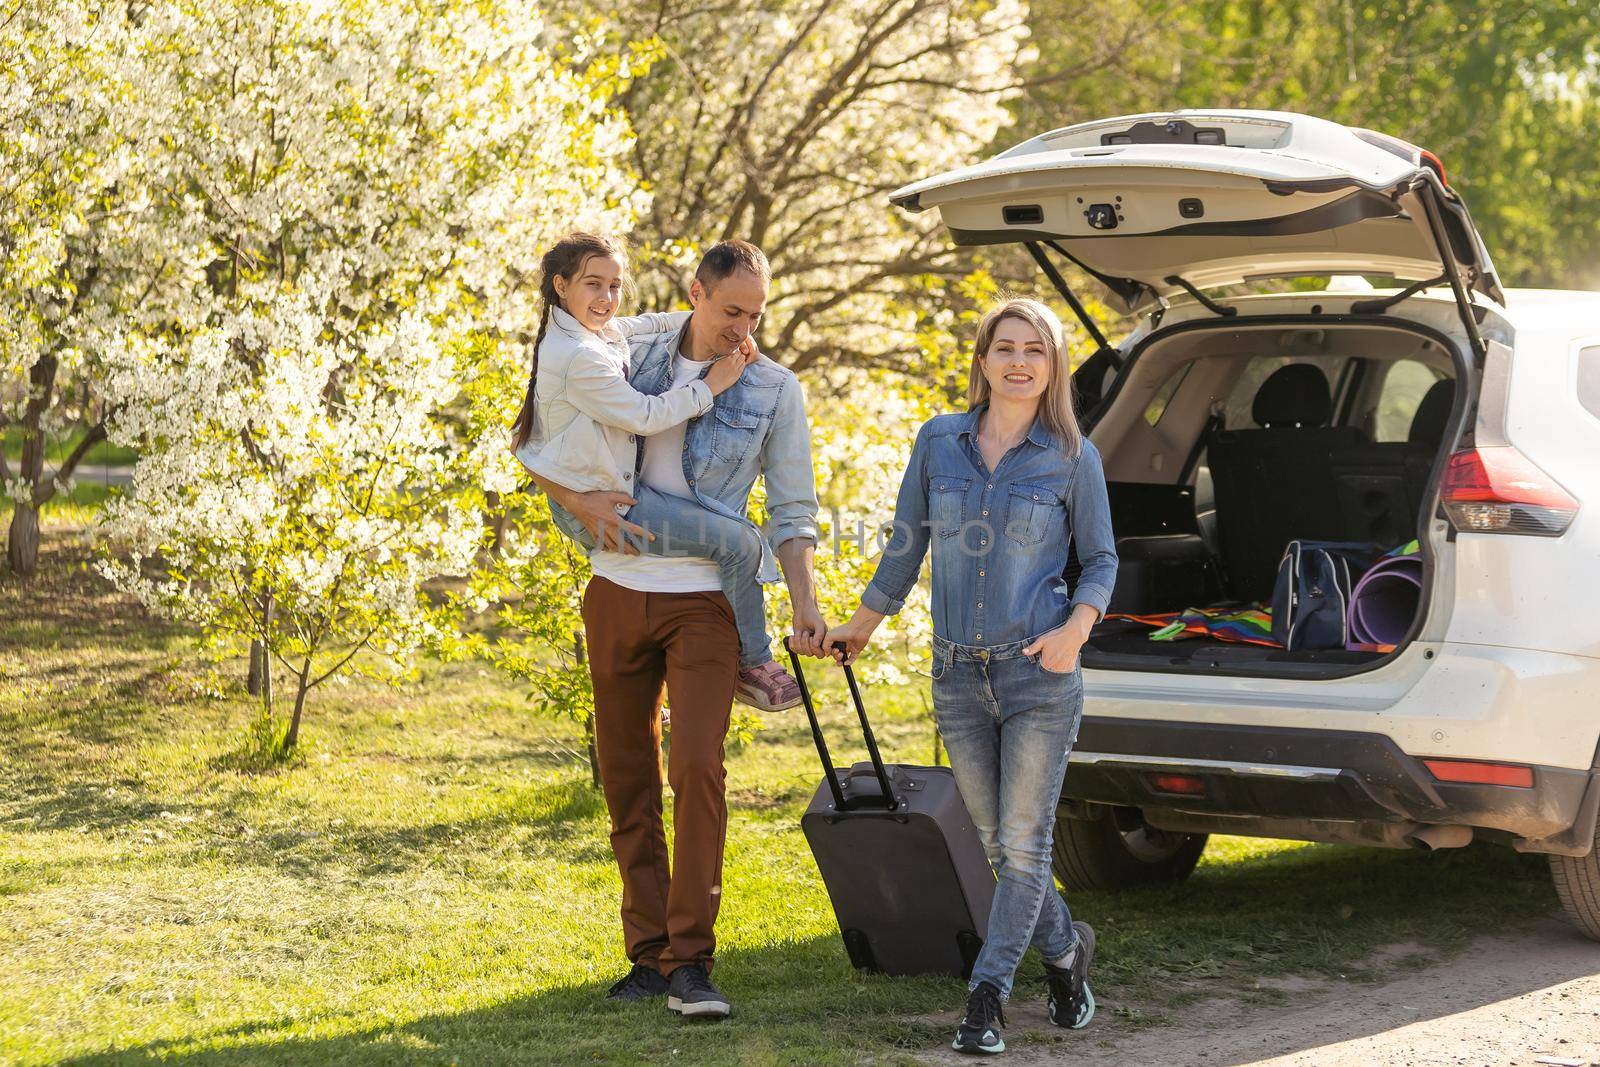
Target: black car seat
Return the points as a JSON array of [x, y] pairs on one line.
[[1277, 483], [1381, 484], [1428, 428]]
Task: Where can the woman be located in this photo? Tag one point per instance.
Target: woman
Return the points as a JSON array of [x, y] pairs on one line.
[[1000, 492]]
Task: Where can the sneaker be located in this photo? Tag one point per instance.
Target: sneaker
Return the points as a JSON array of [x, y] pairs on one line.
[[1071, 1002], [767, 688], [643, 982], [691, 994], [980, 1026]]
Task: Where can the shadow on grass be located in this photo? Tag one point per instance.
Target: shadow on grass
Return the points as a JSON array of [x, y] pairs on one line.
[[1319, 909], [66, 603], [794, 1003], [1313, 910]]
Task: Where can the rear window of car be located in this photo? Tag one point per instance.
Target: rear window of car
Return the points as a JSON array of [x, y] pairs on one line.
[[1239, 413], [1589, 380], [1405, 383], [1163, 397]]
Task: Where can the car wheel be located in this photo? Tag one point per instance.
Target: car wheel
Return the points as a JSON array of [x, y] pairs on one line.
[[1101, 854], [1577, 880]]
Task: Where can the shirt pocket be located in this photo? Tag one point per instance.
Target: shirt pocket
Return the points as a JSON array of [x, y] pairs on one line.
[[734, 433], [947, 504], [1032, 510]]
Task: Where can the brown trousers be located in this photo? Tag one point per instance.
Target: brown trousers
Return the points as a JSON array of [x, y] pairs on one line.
[[636, 642]]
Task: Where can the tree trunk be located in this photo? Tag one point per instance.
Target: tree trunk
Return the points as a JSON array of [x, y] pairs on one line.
[[258, 655], [260, 662], [22, 547], [581, 654], [291, 738]]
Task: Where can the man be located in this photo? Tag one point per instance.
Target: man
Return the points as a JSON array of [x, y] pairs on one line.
[[652, 619]]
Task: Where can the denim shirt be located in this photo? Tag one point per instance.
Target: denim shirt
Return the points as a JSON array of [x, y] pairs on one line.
[[1000, 539], [758, 427]]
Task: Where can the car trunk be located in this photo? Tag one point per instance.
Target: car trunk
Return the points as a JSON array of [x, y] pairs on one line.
[[1157, 208], [1205, 500]]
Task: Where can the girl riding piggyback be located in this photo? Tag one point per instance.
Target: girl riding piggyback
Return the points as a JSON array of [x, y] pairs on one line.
[[581, 424]]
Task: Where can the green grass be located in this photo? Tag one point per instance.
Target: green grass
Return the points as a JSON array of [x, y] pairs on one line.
[[432, 884]]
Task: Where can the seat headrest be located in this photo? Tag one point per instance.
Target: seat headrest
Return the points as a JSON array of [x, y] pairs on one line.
[[1428, 424], [1296, 395]]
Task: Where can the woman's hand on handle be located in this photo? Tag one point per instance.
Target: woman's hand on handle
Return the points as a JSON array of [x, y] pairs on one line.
[[1058, 649], [853, 635]]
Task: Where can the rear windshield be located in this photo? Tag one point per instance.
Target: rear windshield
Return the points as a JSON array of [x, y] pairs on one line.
[[1239, 410]]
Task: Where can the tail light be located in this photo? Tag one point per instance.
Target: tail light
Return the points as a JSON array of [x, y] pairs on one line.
[[1480, 773], [1499, 490], [1189, 785]]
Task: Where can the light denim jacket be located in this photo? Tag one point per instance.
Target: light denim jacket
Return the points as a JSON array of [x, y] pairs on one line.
[[758, 427], [590, 418], [1000, 540]]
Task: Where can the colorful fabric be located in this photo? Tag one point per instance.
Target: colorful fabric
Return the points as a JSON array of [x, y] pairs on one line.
[[1250, 626]]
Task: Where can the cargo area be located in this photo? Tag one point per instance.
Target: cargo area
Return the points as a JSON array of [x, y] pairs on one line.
[[1226, 441]]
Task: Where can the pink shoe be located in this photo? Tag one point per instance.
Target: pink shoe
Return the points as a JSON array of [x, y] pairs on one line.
[[767, 688]]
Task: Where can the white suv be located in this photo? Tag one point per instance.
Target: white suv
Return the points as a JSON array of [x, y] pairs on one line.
[[1439, 408]]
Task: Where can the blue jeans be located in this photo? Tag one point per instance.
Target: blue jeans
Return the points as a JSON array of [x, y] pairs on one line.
[[684, 528], [1008, 725]]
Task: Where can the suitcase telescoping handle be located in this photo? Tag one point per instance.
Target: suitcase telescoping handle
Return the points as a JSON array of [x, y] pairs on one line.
[[889, 802]]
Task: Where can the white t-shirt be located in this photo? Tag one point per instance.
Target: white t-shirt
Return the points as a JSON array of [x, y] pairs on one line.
[[662, 471]]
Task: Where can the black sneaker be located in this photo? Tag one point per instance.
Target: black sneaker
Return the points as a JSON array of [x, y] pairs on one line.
[[1071, 1002], [643, 982], [691, 994], [980, 1026]]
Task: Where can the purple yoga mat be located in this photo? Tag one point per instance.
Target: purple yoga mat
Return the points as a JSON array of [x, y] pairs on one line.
[[1385, 601]]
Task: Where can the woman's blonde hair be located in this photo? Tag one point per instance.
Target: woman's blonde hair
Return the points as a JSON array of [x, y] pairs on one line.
[[1055, 407]]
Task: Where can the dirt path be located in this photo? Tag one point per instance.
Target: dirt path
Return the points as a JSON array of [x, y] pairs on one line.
[[1501, 1002]]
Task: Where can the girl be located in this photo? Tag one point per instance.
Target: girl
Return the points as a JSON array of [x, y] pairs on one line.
[[581, 424], [1000, 492]]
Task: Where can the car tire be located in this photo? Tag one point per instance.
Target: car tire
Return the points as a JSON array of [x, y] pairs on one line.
[[1577, 880], [1098, 854]]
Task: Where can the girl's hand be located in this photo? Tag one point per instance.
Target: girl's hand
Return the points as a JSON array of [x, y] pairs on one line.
[[853, 635], [1059, 648], [725, 370]]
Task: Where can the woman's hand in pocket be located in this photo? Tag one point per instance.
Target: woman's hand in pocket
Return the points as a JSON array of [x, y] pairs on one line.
[[1058, 649]]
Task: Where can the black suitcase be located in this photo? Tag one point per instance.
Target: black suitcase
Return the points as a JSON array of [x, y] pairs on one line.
[[909, 881]]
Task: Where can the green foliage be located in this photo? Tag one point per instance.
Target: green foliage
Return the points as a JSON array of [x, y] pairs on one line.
[[1502, 94]]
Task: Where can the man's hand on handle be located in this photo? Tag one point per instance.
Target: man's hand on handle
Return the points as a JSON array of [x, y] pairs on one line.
[[810, 631]]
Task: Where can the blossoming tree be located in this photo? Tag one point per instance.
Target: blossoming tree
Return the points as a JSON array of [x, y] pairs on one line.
[[79, 258], [363, 191]]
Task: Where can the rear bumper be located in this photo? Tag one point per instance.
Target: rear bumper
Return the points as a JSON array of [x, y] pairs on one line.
[[1317, 784]]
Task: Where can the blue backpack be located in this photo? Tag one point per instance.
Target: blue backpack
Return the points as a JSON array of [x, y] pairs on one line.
[[1311, 599]]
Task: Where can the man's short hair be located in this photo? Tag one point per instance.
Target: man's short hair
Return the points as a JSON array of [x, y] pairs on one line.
[[725, 257]]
